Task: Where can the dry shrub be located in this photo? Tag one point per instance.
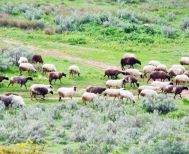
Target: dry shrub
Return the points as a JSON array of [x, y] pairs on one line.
[[49, 31], [6, 21]]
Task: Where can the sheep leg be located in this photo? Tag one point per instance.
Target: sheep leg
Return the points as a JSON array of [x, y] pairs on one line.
[[148, 80], [180, 96], [60, 80], [25, 86], [60, 98], [9, 84], [175, 96]]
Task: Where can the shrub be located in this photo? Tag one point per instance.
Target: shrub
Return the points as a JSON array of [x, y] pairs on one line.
[[77, 40], [171, 16], [9, 9], [185, 23], [49, 31], [11, 56], [33, 13], [169, 32], [161, 104], [128, 1], [6, 21]]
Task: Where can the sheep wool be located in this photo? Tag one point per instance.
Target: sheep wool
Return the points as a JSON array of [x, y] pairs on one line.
[[22, 60], [127, 94], [154, 63], [184, 61], [27, 66], [127, 55], [74, 68], [67, 92], [182, 78], [17, 100], [88, 96], [148, 69], [148, 92], [159, 84], [133, 72], [114, 83], [112, 92], [49, 67]]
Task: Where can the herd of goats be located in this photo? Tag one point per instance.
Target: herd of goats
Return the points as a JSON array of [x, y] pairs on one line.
[[175, 76]]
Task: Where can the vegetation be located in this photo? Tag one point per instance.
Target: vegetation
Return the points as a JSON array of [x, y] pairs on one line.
[[93, 35]]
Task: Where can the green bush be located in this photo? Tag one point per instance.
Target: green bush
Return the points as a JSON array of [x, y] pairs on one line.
[[162, 104], [77, 40], [185, 23]]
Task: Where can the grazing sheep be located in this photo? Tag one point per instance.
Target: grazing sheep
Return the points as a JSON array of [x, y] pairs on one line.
[[161, 67], [10, 100], [148, 92], [176, 70], [160, 85], [148, 69], [154, 63], [179, 90], [3, 78], [88, 97], [146, 87], [115, 83], [66, 92], [133, 72], [22, 60], [37, 59], [95, 90], [113, 73], [74, 70], [129, 61], [26, 67], [132, 80], [55, 76], [159, 75], [112, 93], [39, 89], [20, 80], [127, 94], [181, 79], [184, 61], [48, 68], [129, 55], [168, 89]]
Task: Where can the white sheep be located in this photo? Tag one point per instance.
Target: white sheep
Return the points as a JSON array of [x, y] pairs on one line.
[[26, 67], [127, 94], [146, 87], [161, 67], [148, 92], [88, 97], [128, 55], [74, 70], [112, 93], [181, 79], [66, 92], [176, 70], [134, 72], [115, 83], [148, 69], [48, 68], [154, 63], [159, 84], [22, 60], [17, 100], [184, 61]]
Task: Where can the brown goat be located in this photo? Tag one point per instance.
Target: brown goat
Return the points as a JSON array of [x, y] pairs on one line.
[[37, 59], [159, 75], [113, 73]]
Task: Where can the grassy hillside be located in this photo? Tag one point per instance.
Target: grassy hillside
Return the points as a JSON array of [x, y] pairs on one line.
[[95, 34]]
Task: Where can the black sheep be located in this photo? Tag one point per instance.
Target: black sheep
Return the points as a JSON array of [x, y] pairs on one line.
[[96, 90], [179, 90], [20, 80], [159, 75], [40, 91], [132, 80], [37, 59], [3, 78], [129, 61]]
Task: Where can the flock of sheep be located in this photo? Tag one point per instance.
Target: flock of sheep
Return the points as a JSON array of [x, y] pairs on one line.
[[115, 88]]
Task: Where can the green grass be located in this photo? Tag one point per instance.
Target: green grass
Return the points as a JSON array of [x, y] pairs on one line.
[[98, 43]]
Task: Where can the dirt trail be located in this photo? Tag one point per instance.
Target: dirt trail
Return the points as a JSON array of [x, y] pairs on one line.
[[59, 54]]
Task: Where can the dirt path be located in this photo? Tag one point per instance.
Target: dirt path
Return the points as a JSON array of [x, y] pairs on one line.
[[59, 54]]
